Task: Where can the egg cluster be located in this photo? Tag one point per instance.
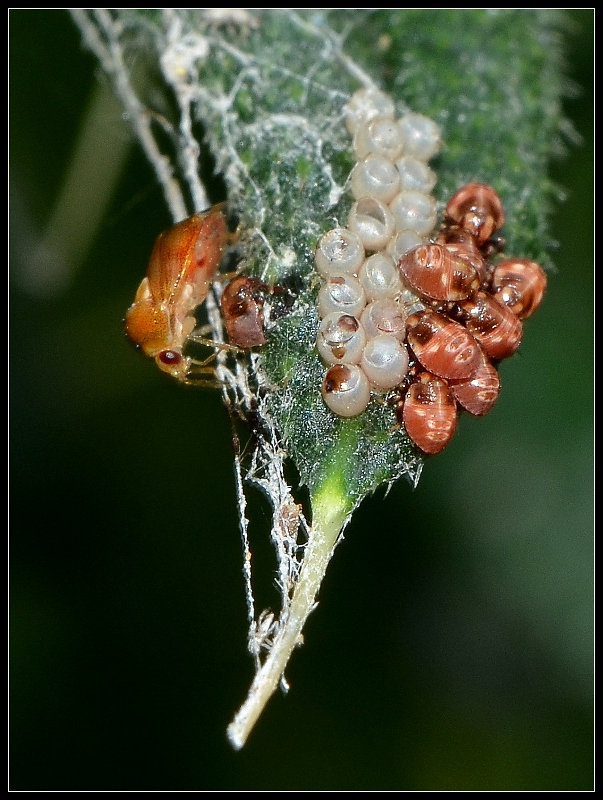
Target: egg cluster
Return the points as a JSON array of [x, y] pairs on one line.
[[430, 319], [363, 303]]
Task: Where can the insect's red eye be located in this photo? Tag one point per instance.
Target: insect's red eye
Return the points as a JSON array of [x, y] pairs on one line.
[[170, 357]]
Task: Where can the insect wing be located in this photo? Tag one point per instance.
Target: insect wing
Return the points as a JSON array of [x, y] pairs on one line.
[[187, 255]]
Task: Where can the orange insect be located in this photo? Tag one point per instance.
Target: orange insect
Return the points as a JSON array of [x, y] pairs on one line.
[[519, 284], [242, 302], [478, 394], [183, 264], [477, 208], [435, 271], [443, 346], [493, 324], [428, 413]]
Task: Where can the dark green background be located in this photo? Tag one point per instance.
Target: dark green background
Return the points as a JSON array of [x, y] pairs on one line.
[[452, 647]]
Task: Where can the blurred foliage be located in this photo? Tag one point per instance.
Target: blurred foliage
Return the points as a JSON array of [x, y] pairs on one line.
[[453, 648]]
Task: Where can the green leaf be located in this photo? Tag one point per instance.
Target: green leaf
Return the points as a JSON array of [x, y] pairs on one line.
[[491, 78], [267, 89]]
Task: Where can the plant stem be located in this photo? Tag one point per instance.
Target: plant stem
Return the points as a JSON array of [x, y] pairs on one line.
[[331, 511]]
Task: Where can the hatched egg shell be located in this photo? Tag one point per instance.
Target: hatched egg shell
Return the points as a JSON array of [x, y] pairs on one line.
[[422, 136], [340, 339], [372, 222], [415, 175], [384, 316], [414, 211], [364, 105], [402, 242], [380, 277], [341, 292], [339, 250], [346, 390], [384, 362], [375, 176], [382, 135]]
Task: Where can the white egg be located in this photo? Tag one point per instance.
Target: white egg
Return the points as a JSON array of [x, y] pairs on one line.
[[346, 390]]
